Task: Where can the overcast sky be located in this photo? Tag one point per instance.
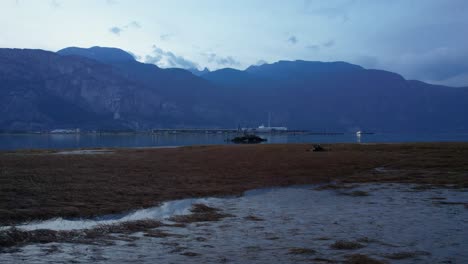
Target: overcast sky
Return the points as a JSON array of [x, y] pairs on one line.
[[420, 39]]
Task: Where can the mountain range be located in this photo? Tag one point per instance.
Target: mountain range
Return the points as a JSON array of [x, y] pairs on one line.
[[107, 89]]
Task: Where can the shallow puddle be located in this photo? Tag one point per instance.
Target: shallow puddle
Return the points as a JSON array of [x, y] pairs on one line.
[[84, 152], [395, 223]]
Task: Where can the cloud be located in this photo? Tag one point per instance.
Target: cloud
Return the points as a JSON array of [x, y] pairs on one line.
[[329, 44], [55, 4], [136, 57], [167, 59], [111, 2], [261, 62], [313, 47], [221, 61], [115, 30], [460, 80], [318, 47], [228, 61], [164, 37], [338, 9], [437, 65], [132, 25], [370, 62], [293, 40]]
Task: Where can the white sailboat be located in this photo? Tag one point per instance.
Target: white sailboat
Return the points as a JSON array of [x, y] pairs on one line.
[[267, 129]]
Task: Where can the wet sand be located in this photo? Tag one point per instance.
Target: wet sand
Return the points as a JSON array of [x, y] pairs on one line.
[[44, 184]]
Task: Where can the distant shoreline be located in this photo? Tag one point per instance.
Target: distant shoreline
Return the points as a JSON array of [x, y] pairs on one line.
[[178, 131]]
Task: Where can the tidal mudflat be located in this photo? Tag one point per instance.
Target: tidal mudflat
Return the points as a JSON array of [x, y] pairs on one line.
[[43, 184], [378, 203]]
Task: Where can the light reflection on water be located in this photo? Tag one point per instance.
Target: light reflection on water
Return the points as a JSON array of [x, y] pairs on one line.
[[63, 141]]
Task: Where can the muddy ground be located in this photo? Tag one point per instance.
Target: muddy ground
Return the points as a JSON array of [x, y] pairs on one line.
[[45, 184]]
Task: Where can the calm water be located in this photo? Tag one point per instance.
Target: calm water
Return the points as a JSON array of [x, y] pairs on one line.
[[63, 141]]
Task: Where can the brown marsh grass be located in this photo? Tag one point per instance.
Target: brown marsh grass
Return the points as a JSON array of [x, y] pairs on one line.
[[39, 184]]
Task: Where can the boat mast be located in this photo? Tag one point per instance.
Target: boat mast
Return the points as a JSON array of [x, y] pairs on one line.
[[269, 119]]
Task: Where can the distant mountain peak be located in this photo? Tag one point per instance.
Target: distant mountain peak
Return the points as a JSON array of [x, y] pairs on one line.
[[302, 65], [197, 72], [102, 54]]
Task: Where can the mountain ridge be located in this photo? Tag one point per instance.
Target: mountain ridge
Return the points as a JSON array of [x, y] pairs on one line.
[[102, 54], [106, 88]]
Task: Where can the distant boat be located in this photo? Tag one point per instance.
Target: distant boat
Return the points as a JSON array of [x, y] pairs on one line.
[[264, 129], [65, 131], [359, 133], [267, 129]]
